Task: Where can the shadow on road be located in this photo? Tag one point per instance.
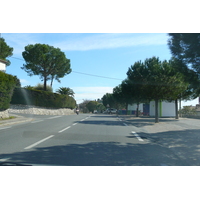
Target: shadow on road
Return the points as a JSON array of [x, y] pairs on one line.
[[174, 148], [97, 154]]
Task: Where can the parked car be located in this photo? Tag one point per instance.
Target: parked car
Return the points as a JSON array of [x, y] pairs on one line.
[[111, 111]]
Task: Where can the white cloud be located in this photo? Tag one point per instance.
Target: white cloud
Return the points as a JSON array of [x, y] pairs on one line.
[[24, 82], [19, 40], [111, 40], [90, 93]]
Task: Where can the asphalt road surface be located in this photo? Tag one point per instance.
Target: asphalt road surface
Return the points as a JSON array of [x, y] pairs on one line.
[[100, 140]]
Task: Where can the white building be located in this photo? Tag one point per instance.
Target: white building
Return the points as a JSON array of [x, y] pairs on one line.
[[165, 109], [2, 65], [133, 107]]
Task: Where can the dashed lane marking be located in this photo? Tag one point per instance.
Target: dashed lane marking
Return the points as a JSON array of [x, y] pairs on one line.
[[54, 117], [37, 121], [137, 136], [64, 129], [29, 147]]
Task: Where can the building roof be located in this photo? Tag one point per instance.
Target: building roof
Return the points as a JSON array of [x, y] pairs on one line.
[[3, 61]]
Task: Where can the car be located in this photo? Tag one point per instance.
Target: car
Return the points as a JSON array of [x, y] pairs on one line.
[[111, 111]]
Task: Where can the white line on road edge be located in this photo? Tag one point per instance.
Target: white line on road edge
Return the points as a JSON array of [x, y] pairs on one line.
[[53, 117], [5, 127], [37, 121], [137, 136], [29, 147], [4, 159], [64, 129]]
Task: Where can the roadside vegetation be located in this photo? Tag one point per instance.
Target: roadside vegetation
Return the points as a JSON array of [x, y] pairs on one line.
[[45, 61], [155, 80]]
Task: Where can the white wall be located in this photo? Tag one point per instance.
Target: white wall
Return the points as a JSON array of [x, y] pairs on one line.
[[165, 109], [168, 109], [2, 67], [134, 107], [152, 108]]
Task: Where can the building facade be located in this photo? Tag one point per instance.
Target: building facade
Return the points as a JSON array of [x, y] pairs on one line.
[[165, 109], [2, 65]]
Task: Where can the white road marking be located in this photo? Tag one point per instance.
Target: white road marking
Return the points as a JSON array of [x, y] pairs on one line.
[[37, 121], [5, 127], [4, 159], [64, 129], [163, 164], [74, 124], [137, 136], [125, 124], [29, 147], [54, 117], [82, 120]]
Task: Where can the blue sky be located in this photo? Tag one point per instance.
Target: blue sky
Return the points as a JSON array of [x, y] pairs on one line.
[[102, 54]]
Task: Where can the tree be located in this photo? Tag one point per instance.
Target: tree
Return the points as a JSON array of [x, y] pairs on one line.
[[41, 87], [91, 106], [157, 80], [5, 51], [119, 97], [109, 100], [66, 91], [186, 47], [82, 106], [46, 61]]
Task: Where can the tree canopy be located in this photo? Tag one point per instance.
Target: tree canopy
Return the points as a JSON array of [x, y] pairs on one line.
[[157, 80], [46, 61], [186, 47], [5, 51], [65, 91]]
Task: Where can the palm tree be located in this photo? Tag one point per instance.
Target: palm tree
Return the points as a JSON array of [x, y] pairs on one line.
[[66, 91]]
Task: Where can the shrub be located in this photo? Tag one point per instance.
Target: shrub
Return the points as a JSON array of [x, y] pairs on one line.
[[42, 98], [40, 86], [7, 85]]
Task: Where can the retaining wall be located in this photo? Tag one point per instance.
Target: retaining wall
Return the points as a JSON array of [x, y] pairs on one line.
[[25, 109]]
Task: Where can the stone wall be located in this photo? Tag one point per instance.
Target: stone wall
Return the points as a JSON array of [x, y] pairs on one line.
[[4, 114], [25, 109]]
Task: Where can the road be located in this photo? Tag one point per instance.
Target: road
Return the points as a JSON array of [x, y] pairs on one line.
[[100, 140]]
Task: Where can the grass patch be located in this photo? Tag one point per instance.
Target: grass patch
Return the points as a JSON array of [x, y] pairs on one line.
[[11, 117]]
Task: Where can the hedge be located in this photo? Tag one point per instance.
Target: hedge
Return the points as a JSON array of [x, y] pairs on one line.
[[7, 85], [42, 98]]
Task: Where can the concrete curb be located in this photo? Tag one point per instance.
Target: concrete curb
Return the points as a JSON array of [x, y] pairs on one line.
[[17, 120]]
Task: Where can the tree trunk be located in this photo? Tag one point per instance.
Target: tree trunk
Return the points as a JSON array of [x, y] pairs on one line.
[[137, 110], [126, 108], [180, 107], [156, 111], [176, 109], [45, 83], [52, 77]]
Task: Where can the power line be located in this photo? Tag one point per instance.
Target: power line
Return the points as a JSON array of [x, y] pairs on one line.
[[83, 73], [17, 58], [97, 75]]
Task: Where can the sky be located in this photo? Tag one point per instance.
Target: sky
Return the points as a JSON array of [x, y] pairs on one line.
[[102, 38], [99, 61]]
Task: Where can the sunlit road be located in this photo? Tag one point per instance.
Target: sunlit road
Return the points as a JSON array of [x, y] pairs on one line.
[[89, 140]]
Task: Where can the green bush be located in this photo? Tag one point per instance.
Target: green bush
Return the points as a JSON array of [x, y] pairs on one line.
[[42, 98], [40, 86], [7, 85]]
